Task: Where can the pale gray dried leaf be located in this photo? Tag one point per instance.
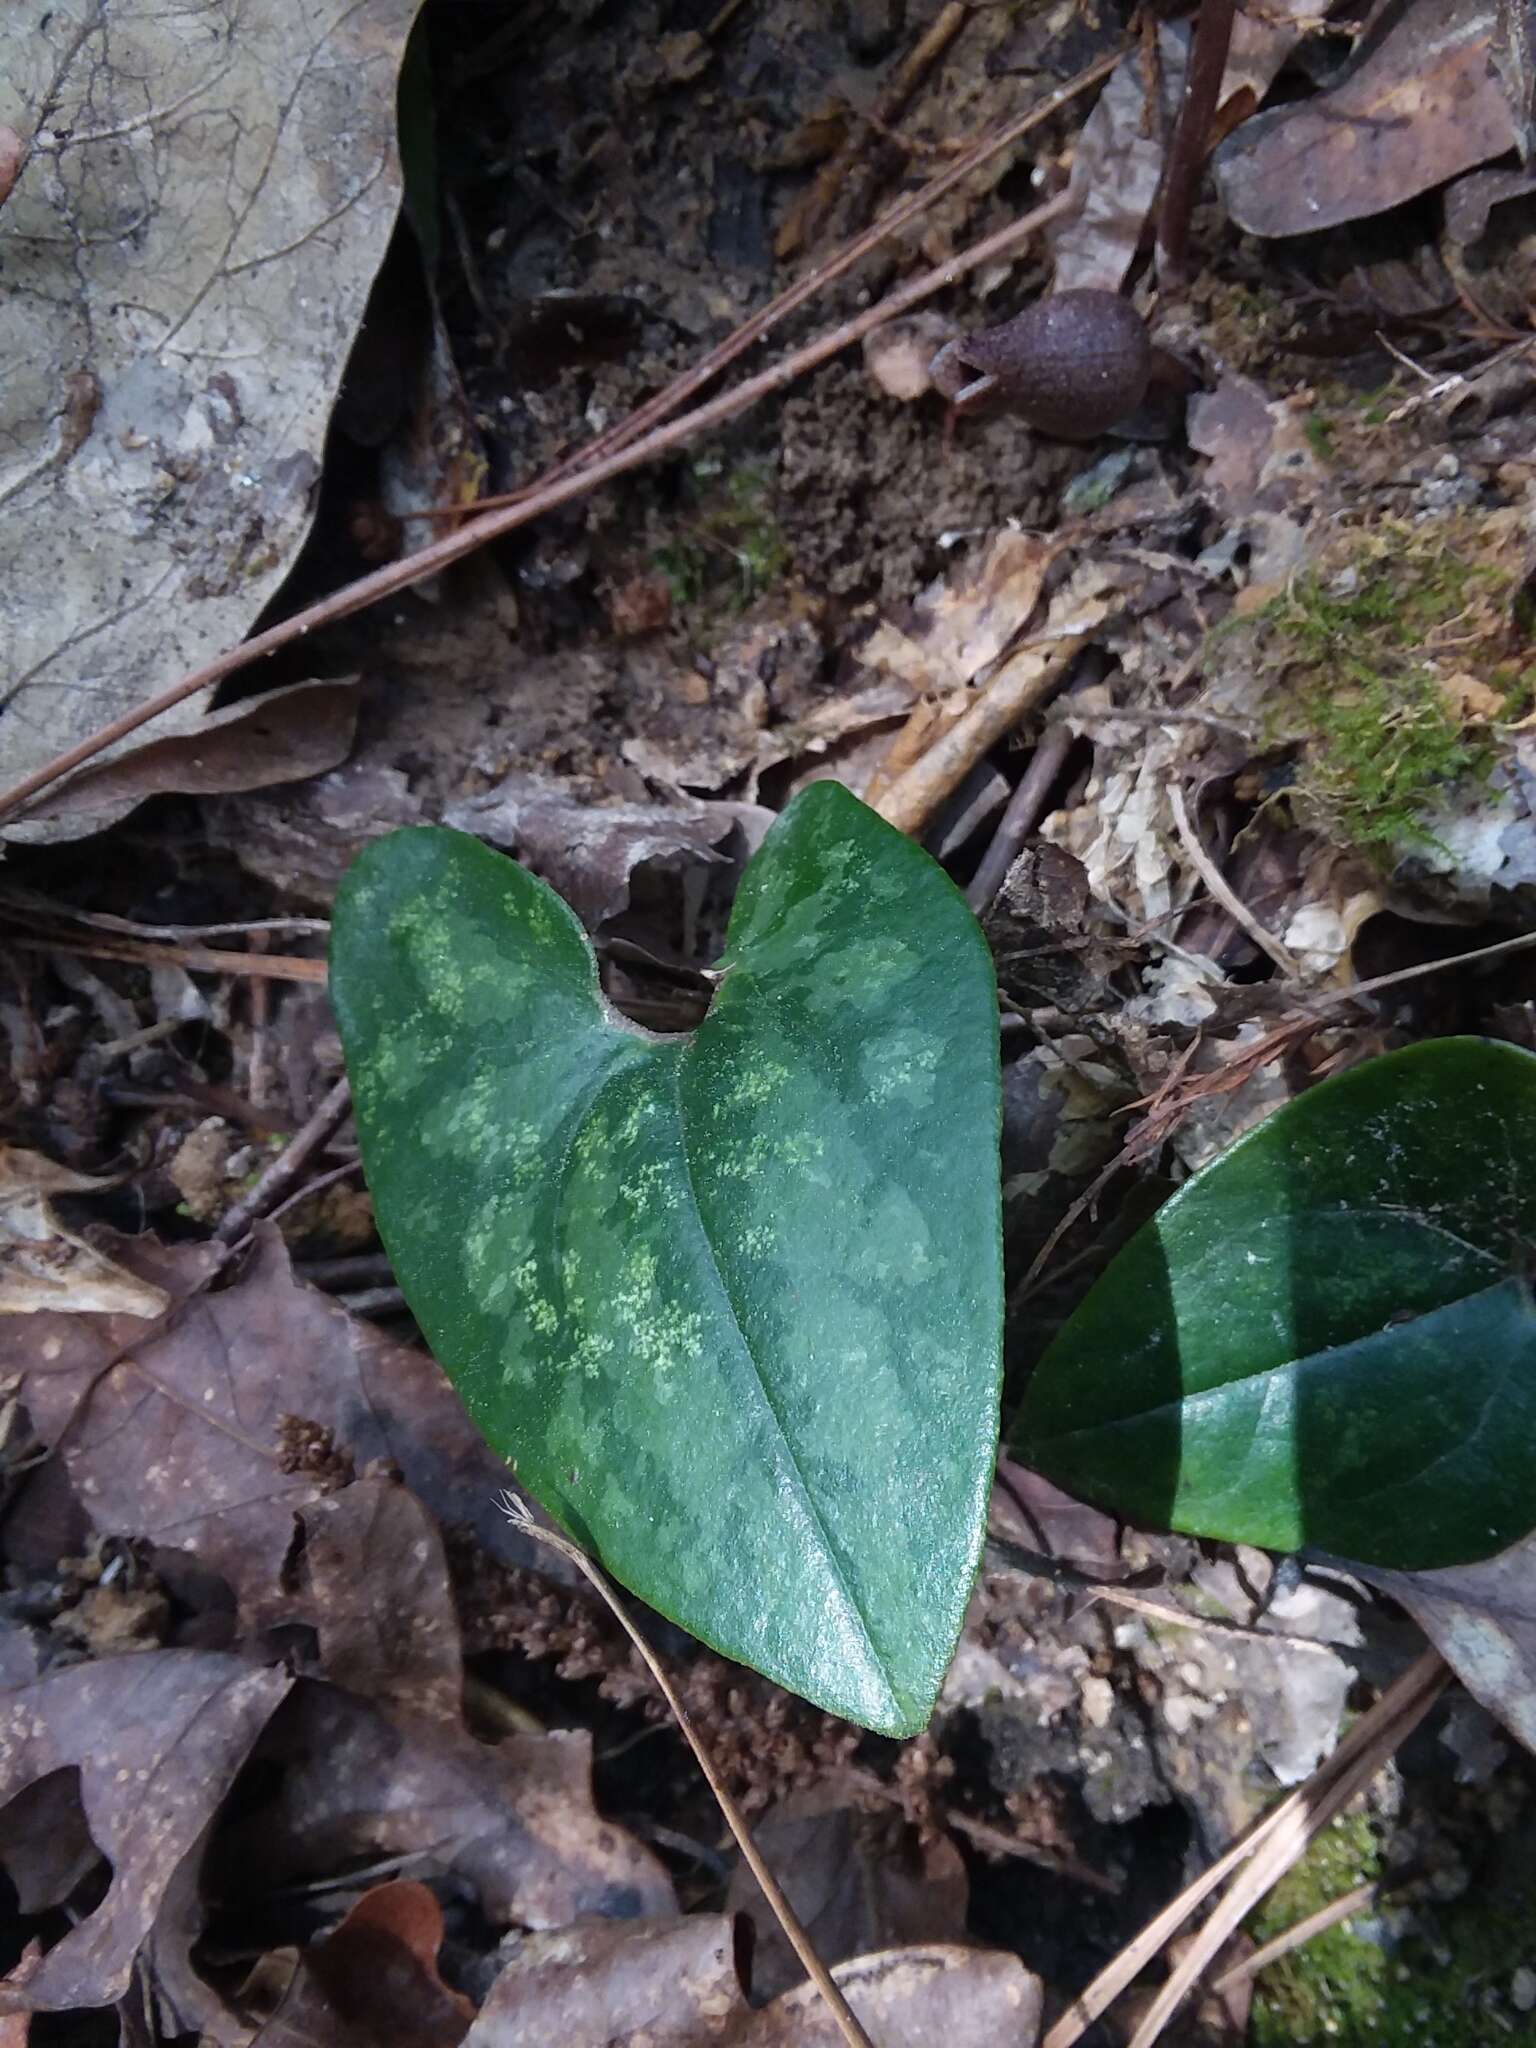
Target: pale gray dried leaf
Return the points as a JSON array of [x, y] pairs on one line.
[[1482, 1620], [929, 1997], [1419, 104], [284, 736], [588, 852], [188, 251], [1514, 56], [1117, 168], [513, 1820], [157, 1738], [648, 1984], [46, 1266]]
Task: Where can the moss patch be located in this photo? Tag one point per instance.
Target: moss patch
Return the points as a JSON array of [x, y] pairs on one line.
[[1392, 662], [1434, 1975], [728, 547]]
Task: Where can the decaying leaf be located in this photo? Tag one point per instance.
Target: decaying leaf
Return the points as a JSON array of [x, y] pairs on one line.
[[958, 630], [44, 1265], [674, 1985], [1482, 1620], [1117, 168], [374, 1979], [589, 852], [203, 216], [283, 736], [1420, 103], [513, 1821], [156, 1739], [858, 1882], [380, 1598], [666, 1983], [179, 1440], [908, 1998]]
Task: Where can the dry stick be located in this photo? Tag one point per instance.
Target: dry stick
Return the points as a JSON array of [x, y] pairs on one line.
[[667, 400], [807, 215], [1421, 1681], [518, 1514], [1023, 680], [1186, 155], [271, 1186], [453, 547], [1284, 1846], [1218, 885], [197, 959], [1344, 1907], [1021, 816]]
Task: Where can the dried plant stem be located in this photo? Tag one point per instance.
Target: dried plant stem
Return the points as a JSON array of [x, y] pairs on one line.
[[1022, 680], [1342, 1908], [1364, 1748], [196, 959], [1222, 890], [1191, 138], [847, 2021], [453, 547], [270, 1187]]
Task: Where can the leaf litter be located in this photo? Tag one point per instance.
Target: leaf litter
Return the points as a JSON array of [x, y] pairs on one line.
[[280, 1479]]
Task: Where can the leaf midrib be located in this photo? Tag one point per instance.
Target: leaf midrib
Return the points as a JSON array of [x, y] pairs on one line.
[[828, 1543]]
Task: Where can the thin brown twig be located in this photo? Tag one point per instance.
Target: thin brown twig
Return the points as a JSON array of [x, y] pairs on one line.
[[793, 297], [846, 2019], [1342, 1908], [271, 1186], [453, 547], [196, 959]]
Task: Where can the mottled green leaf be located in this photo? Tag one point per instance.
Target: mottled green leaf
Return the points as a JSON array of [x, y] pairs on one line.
[[1326, 1338], [731, 1303]]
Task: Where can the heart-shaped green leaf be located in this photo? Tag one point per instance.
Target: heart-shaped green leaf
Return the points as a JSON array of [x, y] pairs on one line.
[[731, 1304], [1326, 1337]]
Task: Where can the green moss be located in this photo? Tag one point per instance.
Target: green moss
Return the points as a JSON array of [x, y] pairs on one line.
[[1442, 1982], [728, 547], [1370, 692], [1319, 433]]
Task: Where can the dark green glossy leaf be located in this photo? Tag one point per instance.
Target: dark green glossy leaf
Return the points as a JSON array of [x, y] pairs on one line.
[[1326, 1338], [731, 1304]]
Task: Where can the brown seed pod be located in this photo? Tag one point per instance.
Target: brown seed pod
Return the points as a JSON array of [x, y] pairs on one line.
[[1072, 364]]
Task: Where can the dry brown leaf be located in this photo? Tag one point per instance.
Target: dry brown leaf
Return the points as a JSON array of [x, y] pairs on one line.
[[44, 1265], [1421, 103], [177, 1440], [285, 736], [1117, 168], [587, 852], [958, 630], [379, 1596], [156, 1739], [375, 1979], [512, 1821], [929, 1997], [858, 1882], [674, 1985]]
